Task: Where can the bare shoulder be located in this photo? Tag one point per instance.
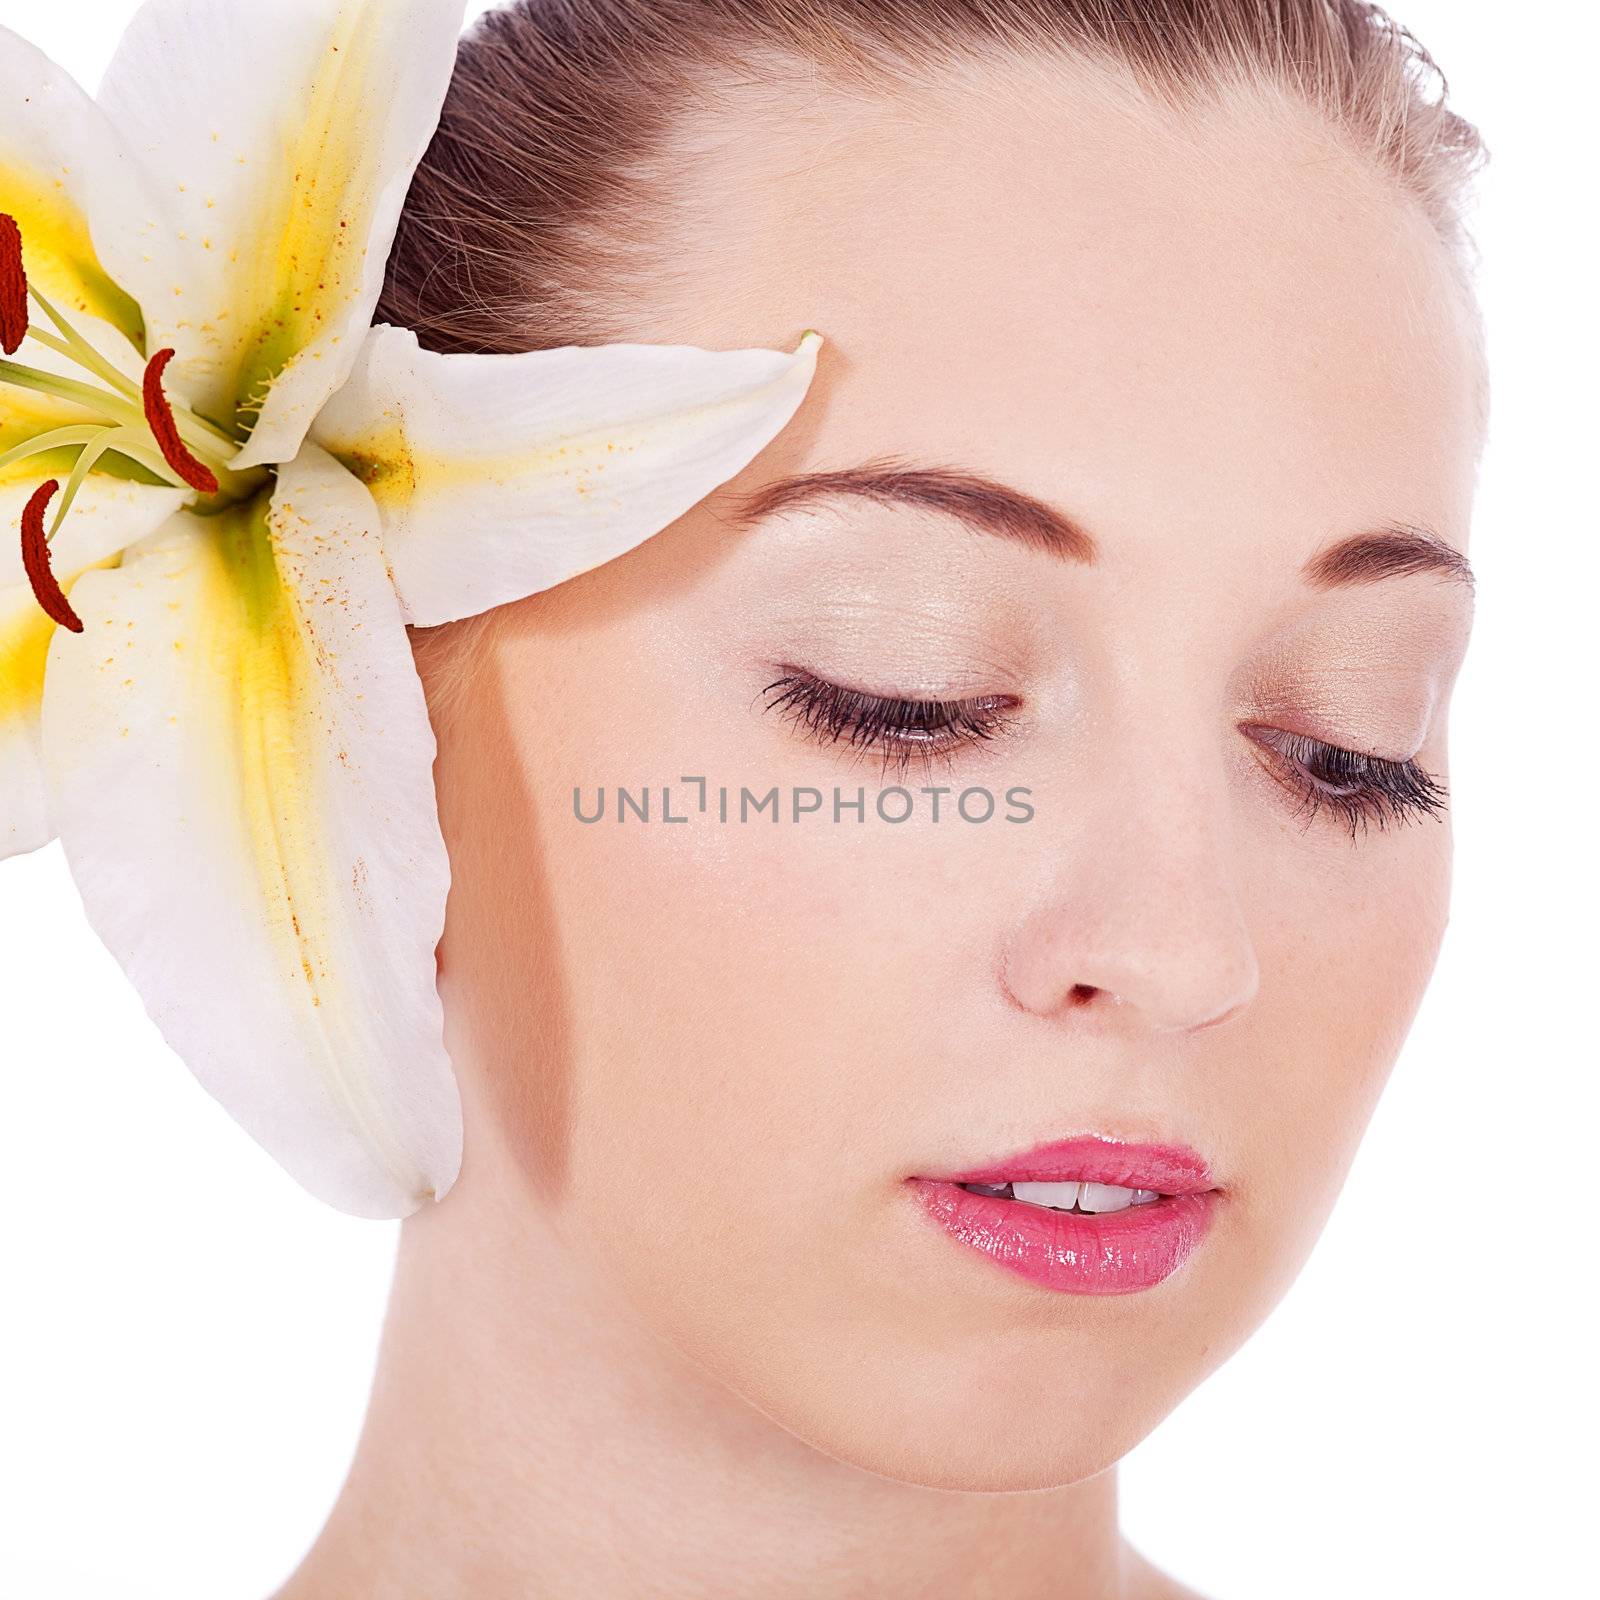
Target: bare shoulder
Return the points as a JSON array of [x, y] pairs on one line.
[[1143, 1580]]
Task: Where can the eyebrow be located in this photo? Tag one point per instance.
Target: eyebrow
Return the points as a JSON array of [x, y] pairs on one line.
[[989, 507], [982, 504], [1392, 552]]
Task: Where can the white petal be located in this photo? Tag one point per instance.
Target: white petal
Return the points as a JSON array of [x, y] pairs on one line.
[[107, 515], [501, 475], [285, 133], [57, 151], [243, 767]]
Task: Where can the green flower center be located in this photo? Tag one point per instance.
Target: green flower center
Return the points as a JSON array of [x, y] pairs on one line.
[[134, 420]]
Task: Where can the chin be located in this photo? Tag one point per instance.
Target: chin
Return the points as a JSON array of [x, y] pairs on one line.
[[1028, 1413]]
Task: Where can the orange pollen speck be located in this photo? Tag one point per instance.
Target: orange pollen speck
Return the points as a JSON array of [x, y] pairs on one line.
[[36, 561], [13, 286], [158, 413]]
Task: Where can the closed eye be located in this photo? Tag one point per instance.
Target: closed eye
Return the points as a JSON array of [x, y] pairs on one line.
[[1356, 787], [903, 730]]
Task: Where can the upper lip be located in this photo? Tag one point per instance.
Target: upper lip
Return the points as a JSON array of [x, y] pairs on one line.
[[1165, 1168]]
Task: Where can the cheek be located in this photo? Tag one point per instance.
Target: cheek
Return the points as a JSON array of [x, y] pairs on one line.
[[745, 1001], [755, 1012], [748, 1000], [707, 1034], [1359, 960], [1346, 956]]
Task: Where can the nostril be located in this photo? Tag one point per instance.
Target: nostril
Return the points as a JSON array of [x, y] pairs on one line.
[[1081, 994]]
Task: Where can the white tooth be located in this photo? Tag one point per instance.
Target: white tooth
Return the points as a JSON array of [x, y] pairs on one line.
[[1048, 1194], [1105, 1197], [1143, 1197]]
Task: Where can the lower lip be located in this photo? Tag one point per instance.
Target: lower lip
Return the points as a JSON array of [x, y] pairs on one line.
[[1115, 1252]]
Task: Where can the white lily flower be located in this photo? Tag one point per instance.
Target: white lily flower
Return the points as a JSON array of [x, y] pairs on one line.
[[206, 688]]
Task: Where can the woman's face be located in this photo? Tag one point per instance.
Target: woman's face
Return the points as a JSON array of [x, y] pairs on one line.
[[712, 1054]]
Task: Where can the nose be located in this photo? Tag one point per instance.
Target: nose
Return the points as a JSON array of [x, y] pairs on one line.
[[1141, 911]]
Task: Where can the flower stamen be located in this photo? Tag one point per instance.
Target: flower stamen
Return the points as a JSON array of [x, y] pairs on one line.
[[36, 561], [158, 413], [13, 286], [123, 439], [78, 350]]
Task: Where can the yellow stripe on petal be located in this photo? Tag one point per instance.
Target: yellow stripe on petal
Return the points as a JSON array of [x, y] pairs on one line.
[[58, 157], [106, 517], [24, 808], [243, 766], [501, 475], [294, 126], [24, 639], [56, 148], [313, 260], [57, 252]]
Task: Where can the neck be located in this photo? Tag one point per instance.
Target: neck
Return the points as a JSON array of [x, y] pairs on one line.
[[526, 1436]]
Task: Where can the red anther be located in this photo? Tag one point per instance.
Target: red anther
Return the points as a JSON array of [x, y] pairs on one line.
[[36, 560], [158, 413], [13, 286]]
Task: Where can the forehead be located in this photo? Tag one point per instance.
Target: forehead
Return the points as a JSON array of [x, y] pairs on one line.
[[1211, 319]]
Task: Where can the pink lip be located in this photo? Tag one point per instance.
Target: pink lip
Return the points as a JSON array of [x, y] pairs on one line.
[[1117, 1252], [1168, 1168]]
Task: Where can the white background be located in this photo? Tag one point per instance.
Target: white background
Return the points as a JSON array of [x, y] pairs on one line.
[[186, 1338]]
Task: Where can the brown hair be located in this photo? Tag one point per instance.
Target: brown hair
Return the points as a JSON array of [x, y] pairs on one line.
[[538, 204]]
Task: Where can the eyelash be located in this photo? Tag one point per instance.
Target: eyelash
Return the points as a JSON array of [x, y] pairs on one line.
[[903, 731], [1361, 789]]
